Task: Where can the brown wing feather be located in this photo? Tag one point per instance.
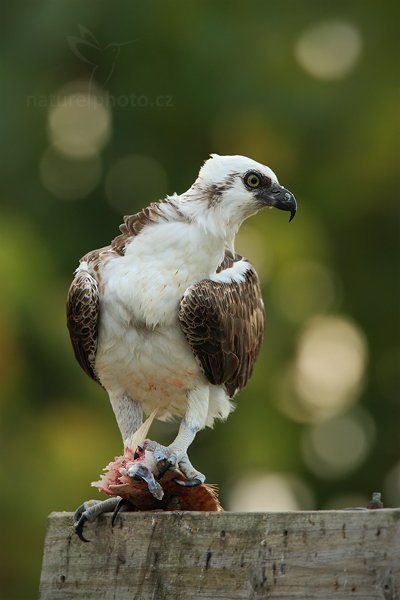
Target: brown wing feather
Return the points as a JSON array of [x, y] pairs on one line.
[[224, 325], [83, 309]]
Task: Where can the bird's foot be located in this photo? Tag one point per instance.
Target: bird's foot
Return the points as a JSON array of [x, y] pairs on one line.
[[170, 457], [90, 510], [146, 469]]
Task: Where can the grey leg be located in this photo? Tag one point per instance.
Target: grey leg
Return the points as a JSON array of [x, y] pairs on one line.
[[176, 453], [194, 420], [129, 415]]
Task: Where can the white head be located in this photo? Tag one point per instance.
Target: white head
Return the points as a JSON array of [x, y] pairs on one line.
[[231, 188]]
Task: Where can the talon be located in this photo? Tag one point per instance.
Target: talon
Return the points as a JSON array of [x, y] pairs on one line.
[[122, 502], [146, 475], [162, 466], [139, 452], [80, 519], [189, 482], [193, 477], [89, 511], [78, 526]]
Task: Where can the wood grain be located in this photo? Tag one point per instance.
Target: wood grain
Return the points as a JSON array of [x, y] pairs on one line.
[[189, 555]]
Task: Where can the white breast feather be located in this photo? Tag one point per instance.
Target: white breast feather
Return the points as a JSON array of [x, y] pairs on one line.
[[141, 349]]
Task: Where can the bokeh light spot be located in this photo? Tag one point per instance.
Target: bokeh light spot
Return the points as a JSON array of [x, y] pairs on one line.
[[337, 447], [133, 181], [330, 363], [79, 123], [329, 49], [69, 178], [270, 492]]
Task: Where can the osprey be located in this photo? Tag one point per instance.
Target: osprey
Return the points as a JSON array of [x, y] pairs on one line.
[[168, 318]]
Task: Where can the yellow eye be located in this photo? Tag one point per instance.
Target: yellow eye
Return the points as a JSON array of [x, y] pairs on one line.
[[252, 180]]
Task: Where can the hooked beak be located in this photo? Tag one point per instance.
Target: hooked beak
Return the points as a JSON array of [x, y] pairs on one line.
[[278, 197]]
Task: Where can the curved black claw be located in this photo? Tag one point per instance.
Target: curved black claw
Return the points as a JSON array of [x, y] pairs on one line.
[[163, 466], [78, 526], [189, 482], [141, 472], [122, 502], [138, 452]]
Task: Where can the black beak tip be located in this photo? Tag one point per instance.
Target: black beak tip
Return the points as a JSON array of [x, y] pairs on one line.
[[279, 197], [292, 205]]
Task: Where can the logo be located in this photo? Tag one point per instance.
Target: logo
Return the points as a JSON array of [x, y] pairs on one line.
[[102, 59]]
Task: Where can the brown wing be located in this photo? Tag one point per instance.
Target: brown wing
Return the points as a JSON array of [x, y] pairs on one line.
[[83, 309], [224, 325]]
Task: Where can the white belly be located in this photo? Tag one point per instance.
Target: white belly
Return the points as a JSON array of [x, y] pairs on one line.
[[154, 367], [141, 348]]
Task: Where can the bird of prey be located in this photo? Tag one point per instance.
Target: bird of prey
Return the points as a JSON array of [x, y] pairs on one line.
[[168, 318]]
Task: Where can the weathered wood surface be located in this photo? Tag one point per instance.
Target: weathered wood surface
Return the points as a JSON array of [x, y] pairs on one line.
[[177, 556]]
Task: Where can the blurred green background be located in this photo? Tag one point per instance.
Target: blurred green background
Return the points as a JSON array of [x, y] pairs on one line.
[[107, 106]]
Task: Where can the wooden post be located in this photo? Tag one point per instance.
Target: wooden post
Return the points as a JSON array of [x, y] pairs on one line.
[[191, 555]]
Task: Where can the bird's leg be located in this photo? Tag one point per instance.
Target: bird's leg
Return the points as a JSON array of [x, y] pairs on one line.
[[175, 455], [129, 417]]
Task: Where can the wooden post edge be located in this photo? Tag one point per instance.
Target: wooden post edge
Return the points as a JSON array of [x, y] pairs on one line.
[[179, 555]]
